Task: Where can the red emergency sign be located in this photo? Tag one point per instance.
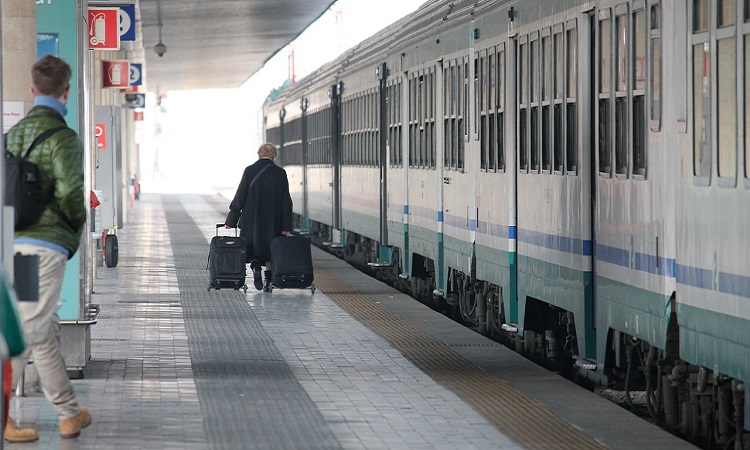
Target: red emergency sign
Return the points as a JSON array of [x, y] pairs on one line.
[[115, 74], [101, 136], [104, 28]]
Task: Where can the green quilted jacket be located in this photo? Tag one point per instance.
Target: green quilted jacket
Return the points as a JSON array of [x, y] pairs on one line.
[[60, 162]]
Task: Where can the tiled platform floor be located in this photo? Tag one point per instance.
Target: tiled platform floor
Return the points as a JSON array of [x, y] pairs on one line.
[[174, 366]]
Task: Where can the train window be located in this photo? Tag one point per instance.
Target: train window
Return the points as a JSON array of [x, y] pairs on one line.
[[571, 111], [558, 63], [454, 115], [480, 79], [547, 132], [414, 123], [500, 109], [726, 13], [534, 113], [394, 102], [655, 85], [605, 58], [701, 110], [447, 143], [491, 121], [700, 15], [747, 101], [431, 116], [523, 108], [464, 111], [621, 95], [639, 91], [726, 84], [419, 122], [747, 10]]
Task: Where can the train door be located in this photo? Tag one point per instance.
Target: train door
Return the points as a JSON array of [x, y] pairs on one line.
[[382, 73], [304, 220], [511, 141], [335, 93]]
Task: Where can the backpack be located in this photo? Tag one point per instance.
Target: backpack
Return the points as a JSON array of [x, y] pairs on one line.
[[21, 183]]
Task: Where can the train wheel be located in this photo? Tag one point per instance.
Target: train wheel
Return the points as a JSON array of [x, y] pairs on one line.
[[111, 253]]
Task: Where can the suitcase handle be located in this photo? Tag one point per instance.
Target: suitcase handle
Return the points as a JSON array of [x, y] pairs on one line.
[[222, 225]]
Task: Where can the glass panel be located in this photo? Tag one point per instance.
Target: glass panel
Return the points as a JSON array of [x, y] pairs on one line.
[[700, 15], [605, 166], [546, 137], [559, 134], [621, 46], [639, 51], [492, 165], [571, 144], [546, 68], [501, 81], [656, 79], [500, 145], [523, 142], [726, 13], [656, 17], [639, 136], [604, 56], [558, 63], [747, 10], [701, 110], [747, 101], [621, 135], [533, 72], [492, 82], [572, 66], [534, 148], [727, 107]]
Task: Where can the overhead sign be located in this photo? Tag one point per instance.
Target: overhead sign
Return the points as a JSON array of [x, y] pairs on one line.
[[127, 22], [104, 28], [136, 74], [101, 136], [115, 74], [135, 101]]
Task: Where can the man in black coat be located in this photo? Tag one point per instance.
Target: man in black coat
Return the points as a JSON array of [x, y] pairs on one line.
[[263, 207]]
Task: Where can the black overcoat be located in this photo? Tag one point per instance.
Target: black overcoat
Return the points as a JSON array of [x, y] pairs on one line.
[[263, 211]]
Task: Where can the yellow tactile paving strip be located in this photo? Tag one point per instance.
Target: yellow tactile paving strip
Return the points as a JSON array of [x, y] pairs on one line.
[[518, 416], [515, 414]]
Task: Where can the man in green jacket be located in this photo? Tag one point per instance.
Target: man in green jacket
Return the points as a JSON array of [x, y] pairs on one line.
[[54, 238]]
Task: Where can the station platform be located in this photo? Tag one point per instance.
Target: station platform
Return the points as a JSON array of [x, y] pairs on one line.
[[356, 365]]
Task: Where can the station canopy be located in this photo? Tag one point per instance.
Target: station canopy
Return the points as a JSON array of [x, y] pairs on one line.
[[218, 44]]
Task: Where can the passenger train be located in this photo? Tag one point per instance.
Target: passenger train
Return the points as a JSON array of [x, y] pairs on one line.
[[571, 175]]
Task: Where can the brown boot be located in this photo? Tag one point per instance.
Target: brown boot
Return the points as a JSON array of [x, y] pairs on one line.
[[14, 434], [71, 428]]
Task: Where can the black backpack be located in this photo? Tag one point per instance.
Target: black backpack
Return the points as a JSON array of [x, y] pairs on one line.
[[21, 184]]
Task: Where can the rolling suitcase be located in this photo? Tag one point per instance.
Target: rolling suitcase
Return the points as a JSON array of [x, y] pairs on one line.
[[291, 263], [226, 261]]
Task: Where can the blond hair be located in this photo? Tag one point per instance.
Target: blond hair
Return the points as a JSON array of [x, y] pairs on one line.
[[268, 151]]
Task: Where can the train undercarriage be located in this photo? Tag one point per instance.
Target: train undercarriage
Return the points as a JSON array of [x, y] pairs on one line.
[[708, 409]]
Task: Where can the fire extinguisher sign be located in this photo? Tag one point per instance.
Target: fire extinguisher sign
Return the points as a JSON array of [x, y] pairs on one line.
[[115, 74], [104, 28]]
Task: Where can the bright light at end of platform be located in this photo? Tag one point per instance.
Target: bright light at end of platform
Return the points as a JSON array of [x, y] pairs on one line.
[[202, 140]]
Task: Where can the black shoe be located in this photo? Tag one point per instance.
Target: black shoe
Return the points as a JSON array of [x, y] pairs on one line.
[[267, 285], [257, 279]]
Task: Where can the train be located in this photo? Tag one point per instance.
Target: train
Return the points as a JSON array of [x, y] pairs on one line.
[[570, 176]]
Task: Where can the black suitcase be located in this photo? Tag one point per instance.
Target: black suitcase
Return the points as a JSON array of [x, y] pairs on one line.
[[226, 261], [291, 263]]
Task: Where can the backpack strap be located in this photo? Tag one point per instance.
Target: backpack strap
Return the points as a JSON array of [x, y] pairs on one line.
[[41, 138], [257, 175]]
